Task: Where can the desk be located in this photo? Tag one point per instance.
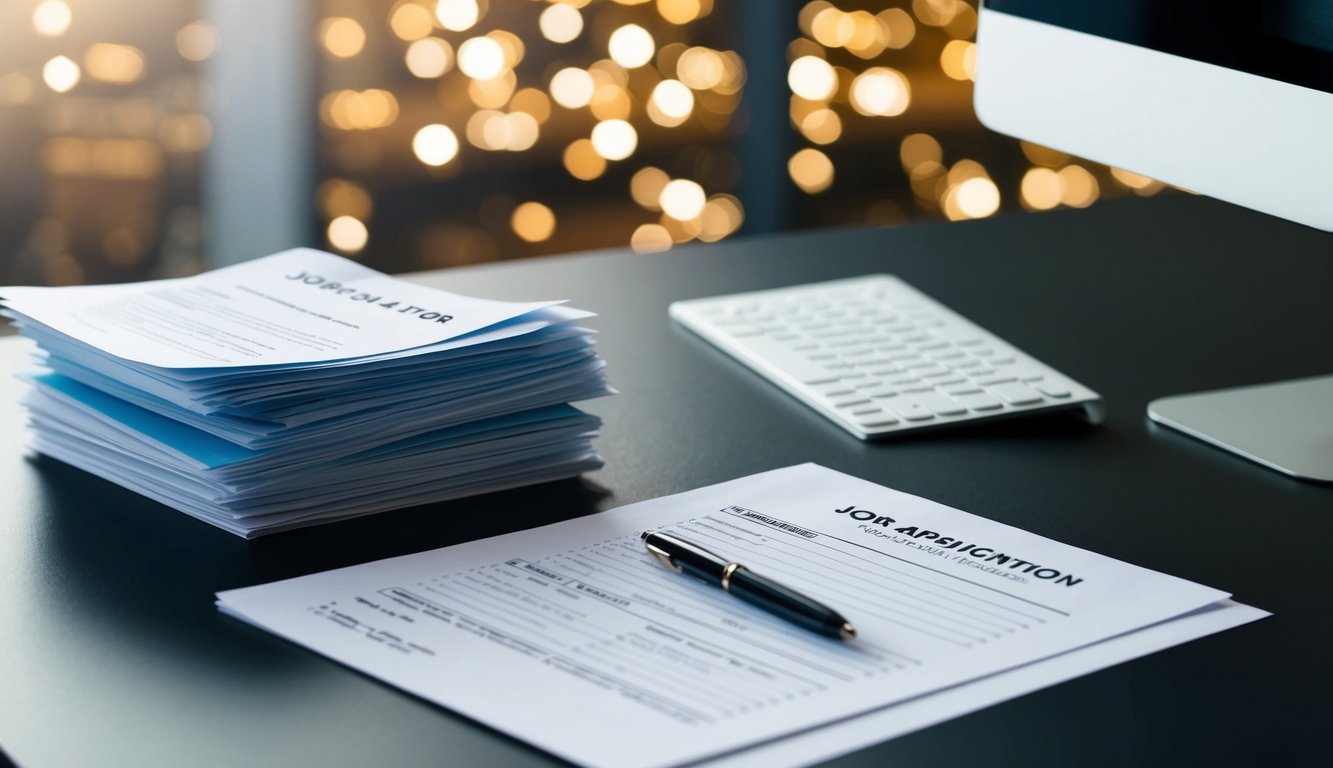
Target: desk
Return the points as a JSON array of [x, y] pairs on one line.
[[111, 651]]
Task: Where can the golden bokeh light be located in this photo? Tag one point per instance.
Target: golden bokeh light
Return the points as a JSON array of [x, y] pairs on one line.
[[61, 74], [52, 18], [1079, 188], [899, 29], [533, 222], [572, 88], [651, 238], [700, 68], [351, 110], [936, 13], [682, 12], [481, 58], [646, 186], [560, 23], [533, 101], [435, 144], [671, 103], [811, 170], [977, 197], [631, 46], [880, 92], [821, 126], [340, 197], [342, 37], [918, 148], [721, 216], [682, 199], [1041, 189], [510, 44], [348, 234], [137, 159], [112, 63], [582, 160], [812, 78], [429, 57], [410, 21], [1142, 185], [496, 131], [197, 41], [966, 169], [614, 139], [610, 102], [1039, 155], [493, 93], [959, 60], [457, 15], [929, 179]]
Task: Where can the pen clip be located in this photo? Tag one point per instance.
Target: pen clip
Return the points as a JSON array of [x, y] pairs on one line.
[[662, 555]]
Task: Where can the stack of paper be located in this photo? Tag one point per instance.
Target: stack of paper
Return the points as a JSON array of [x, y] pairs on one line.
[[303, 388]]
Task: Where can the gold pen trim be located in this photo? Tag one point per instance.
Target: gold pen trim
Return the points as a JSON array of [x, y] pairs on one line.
[[726, 575]]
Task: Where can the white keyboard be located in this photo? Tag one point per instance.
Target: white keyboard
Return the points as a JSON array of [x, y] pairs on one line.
[[878, 357]]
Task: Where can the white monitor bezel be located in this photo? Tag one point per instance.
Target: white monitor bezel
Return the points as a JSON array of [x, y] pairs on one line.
[[1250, 140]]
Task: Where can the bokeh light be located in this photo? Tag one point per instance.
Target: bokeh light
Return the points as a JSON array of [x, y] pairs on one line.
[[651, 238], [631, 46], [410, 21], [560, 23], [614, 139], [572, 88], [481, 58], [348, 234], [682, 199], [61, 74], [197, 41], [342, 37], [457, 15], [429, 57], [812, 170], [812, 78], [52, 18], [533, 222], [582, 160], [435, 144], [880, 91]]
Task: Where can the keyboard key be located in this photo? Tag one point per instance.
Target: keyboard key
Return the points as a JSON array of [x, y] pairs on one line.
[[944, 406], [976, 400], [794, 363], [910, 410], [1016, 393], [880, 419], [1052, 389], [848, 401]]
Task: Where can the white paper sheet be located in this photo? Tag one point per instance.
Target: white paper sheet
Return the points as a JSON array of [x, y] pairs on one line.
[[298, 306], [572, 638]]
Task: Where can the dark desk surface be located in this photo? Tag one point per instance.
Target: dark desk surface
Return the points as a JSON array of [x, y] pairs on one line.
[[111, 651]]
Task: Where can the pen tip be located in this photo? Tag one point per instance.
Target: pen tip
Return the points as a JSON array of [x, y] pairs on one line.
[[848, 631]]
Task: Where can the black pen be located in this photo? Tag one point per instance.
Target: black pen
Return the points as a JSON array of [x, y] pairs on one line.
[[691, 559]]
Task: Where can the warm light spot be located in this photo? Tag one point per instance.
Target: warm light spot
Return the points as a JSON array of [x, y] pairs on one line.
[[582, 161], [1080, 187], [812, 78], [700, 68], [918, 148], [935, 13], [410, 21], [533, 222], [673, 100], [721, 216], [868, 37], [113, 63], [959, 60], [610, 102], [488, 129], [898, 27], [928, 180], [481, 58], [435, 144], [964, 25], [966, 169], [684, 11], [880, 91], [682, 199], [510, 44], [1142, 185], [493, 93], [646, 186], [607, 72], [523, 131], [457, 15], [614, 139], [1039, 155], [811, 170], [822, 126], [534, 102], [560, 23], [832, 28], [339, 197], [650, 238], [61, 74], [197, 41], [631, 46], [572, 88], [429, 57], [342, 37], [348, 234], [978, 198], [51, 18], [1041, 189], [806, 16]]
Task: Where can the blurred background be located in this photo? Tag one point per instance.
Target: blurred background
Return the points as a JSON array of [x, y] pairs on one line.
[[158, 138]]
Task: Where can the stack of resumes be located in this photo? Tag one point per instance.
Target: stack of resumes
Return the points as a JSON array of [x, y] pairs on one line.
[[302, 388]]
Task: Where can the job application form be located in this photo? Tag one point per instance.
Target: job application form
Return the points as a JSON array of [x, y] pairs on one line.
[[574, 638]]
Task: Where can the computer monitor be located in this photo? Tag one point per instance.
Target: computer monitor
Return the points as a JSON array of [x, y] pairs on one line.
[[1228, 99]]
